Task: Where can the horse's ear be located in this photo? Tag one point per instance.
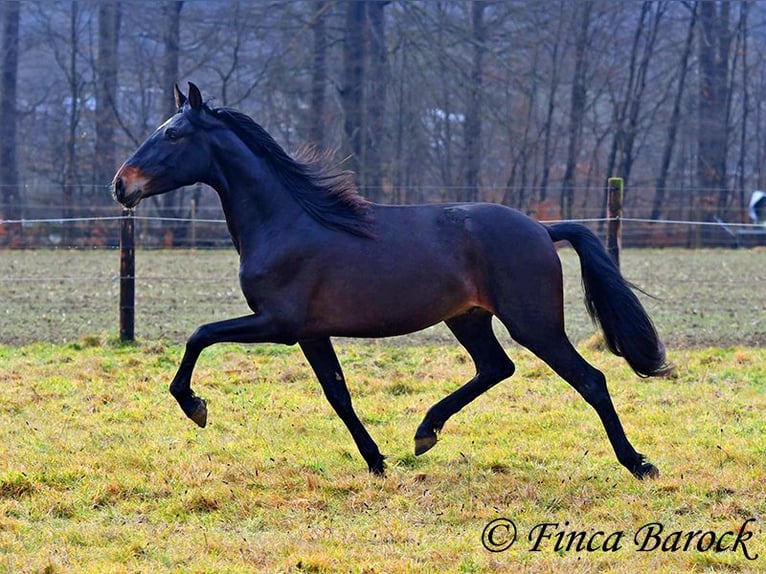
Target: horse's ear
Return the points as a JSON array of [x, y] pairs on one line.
[[180, 98], [195, 97]]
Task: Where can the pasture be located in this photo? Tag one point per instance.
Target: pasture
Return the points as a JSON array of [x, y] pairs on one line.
[[100, 470], [701, 298]]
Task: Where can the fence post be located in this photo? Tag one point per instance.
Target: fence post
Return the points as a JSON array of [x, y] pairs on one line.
[[127, 276], [193, 223], [614, 215]]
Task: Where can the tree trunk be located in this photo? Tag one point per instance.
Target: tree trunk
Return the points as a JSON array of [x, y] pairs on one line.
[[70, 161], [627, 114], [171, 38], [445, 153], [553, 88], [742, 49], [576, 110], [472, 126], [675, 117], [713, 125], [106, 96], [318, 76], [638, 88], [9, 174], [352, 89], [376, 103], [172, 204]]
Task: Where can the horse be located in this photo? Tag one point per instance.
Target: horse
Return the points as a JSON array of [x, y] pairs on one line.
[[317, 260]]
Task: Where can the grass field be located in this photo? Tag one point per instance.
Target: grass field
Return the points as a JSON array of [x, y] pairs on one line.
[[101, 472]]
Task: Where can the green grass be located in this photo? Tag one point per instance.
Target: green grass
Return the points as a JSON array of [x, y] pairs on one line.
[[101, 472]]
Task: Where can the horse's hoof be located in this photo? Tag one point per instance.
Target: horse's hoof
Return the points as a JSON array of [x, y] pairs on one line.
[[199, 415], [378, 468], [424, 444], [646, 470]]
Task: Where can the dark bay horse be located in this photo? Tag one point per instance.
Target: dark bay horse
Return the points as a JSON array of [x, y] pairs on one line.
[[317, 260]]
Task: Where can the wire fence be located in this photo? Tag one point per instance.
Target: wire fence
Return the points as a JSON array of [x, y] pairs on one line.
[[64, 281], [163, 232]]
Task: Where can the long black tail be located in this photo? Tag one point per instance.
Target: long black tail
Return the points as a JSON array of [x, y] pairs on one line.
[[628, 330]]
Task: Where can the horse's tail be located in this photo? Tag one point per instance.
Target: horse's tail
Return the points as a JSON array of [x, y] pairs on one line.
[[628, 330]]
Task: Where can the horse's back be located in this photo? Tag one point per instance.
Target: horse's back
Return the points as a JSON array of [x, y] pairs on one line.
[[491, 239], [507, 254], [505, 239], [486, 222]]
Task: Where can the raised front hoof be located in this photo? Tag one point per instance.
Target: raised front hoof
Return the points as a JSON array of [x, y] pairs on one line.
[[199, 412], [424, 443], [646, 470]]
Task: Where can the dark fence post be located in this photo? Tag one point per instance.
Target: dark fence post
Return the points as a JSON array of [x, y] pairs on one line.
[[127, 276], [614, 223], [193, 223]]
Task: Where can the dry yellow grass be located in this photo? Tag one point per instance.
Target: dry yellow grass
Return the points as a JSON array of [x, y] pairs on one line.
[[100, 471]]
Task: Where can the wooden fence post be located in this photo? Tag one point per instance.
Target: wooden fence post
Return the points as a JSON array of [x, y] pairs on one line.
[[193, 224], [127, 276], [614, 214]]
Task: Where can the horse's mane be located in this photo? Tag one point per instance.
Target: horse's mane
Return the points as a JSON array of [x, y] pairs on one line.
[[327, 193]]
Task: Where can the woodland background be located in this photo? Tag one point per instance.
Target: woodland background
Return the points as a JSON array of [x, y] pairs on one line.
[[525, 102]]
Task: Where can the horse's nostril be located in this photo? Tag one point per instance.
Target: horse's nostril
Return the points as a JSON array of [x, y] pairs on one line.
[[119, 189]]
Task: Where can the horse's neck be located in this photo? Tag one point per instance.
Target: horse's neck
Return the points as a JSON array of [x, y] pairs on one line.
[[255, 205]]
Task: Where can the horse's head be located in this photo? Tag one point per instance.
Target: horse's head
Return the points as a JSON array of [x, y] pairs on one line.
[[175, 155]]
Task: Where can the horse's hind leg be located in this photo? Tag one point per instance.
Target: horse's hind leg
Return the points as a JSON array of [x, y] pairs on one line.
[[321, 356], [559, 353], [474, 331]]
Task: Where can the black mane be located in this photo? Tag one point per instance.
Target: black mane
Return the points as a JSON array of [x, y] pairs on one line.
[[328, 194]]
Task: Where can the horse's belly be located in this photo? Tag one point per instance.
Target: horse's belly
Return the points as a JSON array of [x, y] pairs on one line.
[[391, 306]]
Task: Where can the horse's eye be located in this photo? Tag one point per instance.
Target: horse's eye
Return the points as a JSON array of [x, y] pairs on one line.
[[171, 134]]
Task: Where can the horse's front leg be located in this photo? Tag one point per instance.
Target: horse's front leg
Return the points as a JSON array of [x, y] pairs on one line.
[[248, 329]]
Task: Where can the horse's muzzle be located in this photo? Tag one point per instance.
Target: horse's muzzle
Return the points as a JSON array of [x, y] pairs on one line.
[[127, 187]]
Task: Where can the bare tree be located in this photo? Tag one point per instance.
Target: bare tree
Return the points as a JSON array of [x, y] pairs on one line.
[[473, 113], [376, 101], [352, 90], [429, 100], [625, 126], [316, 130], [438, 70], [9, 174], [660, 186], [106, 98], [171, 40], [713, 132], [172, 204], [408, 135], [577, 106], [73, 105], [742, 49], [551, 107]]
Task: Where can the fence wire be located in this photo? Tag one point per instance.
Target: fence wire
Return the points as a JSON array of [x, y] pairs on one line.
[[157, 231]]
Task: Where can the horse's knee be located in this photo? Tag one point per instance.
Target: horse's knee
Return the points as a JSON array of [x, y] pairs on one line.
[[200, 338]]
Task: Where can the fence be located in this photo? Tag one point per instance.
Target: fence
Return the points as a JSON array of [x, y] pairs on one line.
[[158, 232], [128, 231]]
